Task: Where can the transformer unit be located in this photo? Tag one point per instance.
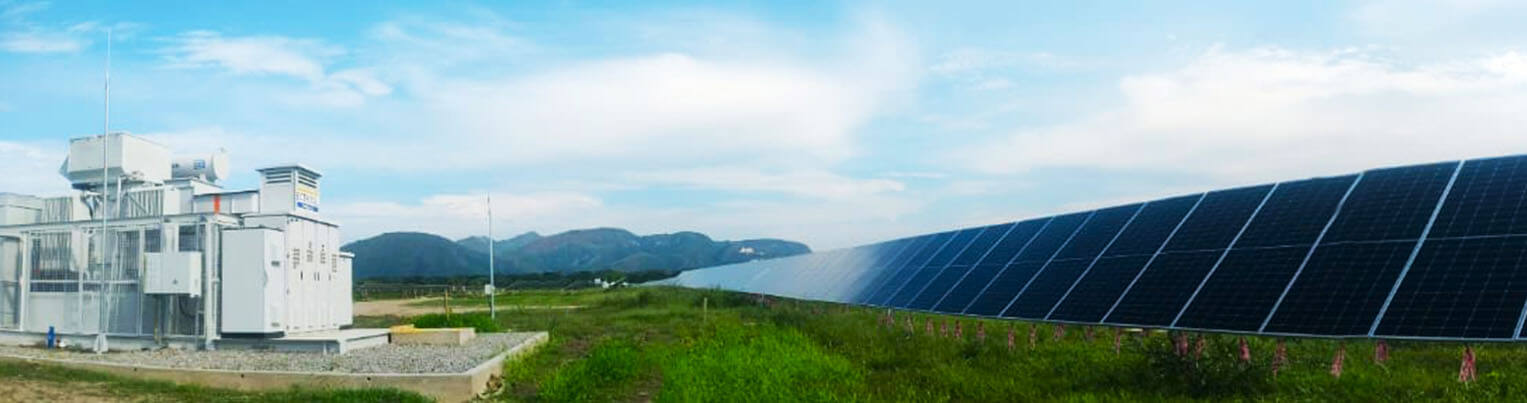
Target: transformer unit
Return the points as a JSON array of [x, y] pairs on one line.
[[179, 262]]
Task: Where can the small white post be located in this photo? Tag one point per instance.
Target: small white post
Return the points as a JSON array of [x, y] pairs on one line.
[[492, 286]]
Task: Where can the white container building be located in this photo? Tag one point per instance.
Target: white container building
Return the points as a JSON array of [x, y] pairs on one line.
[[185, 264]]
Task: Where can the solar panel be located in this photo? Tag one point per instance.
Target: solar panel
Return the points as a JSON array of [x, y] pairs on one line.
[[996, 295], [888, 269], [1244, 287], [940, 263], [1296, 213], [1488, 198], [1218, 218], [1163, 288], [1462, 288], [1344, 285], [1099, 232], [906, 267], [940, 260], [1102, 286], [1048, 286], [853, 266], [1392, 203], [1435, 251], [1152, 226], [1042, 293], [875, 268], [1097, 290], [1468, 279], [1341, 289], [1243, 290], [985, 269], [959, 267], [982, 244]]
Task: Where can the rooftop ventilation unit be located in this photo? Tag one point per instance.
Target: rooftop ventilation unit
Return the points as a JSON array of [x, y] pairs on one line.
[[289, 189], [131, 158]]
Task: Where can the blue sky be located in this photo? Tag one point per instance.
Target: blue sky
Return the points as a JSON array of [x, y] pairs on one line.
[[831, 123]]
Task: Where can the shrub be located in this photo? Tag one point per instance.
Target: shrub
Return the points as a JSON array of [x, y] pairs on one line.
[[609, 364], [480, 321], [1215, 374]]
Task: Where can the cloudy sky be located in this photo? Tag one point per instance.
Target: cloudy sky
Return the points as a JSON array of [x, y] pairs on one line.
[[831, 123]]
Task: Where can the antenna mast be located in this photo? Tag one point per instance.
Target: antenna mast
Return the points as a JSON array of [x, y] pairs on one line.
[[100, 334]]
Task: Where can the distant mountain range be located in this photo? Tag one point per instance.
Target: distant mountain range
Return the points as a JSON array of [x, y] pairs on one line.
[[413, 254]]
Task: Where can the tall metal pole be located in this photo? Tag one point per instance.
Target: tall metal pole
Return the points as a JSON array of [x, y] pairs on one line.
[[492, 285], [100, 333]]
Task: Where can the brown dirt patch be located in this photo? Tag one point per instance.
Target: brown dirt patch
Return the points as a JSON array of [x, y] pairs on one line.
[[15, 390]]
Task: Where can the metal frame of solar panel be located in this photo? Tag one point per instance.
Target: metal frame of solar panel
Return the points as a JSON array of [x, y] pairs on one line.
[[1428, 252]]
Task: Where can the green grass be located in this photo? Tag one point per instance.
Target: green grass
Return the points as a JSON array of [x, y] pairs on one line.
[[146, 390], [679, 345], [480, 321], [669, 344], [513, 298]]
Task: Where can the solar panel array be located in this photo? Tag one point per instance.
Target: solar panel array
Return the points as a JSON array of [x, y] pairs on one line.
[[1435, 251]]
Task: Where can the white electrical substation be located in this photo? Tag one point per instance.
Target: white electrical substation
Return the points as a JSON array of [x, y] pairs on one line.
[[157, 254]]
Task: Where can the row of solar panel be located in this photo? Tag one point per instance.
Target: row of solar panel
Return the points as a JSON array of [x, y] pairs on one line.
[[1435, 251]]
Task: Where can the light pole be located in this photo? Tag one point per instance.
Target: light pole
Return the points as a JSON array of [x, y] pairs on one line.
[[492, 286]]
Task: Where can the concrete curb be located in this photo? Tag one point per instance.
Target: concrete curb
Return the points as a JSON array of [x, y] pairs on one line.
[[455, 387]]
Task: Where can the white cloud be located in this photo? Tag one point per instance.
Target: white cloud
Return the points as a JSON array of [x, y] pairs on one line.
[[1268, 114], [20, 35], [652, 104], [1414, 18], [303, 59], [670, 108], [252, 55], [775, 121], [656, 111], [970, 59], [814, 184], [993, 84], [988, 69], [443, 43], [40, 42], [31, 169], [462, 215]]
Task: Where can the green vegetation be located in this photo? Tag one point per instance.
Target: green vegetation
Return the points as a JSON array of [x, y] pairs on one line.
[[670, 344], [527, 298], [413, 287], [82, 384], [477, 320]]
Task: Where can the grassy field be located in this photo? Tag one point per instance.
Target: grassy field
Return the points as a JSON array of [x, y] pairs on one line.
[[29, 382], [669, 344], [513, 298]]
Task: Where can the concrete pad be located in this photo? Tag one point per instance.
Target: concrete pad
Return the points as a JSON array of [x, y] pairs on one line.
[[328, 341], [408, 334], [455, 387]]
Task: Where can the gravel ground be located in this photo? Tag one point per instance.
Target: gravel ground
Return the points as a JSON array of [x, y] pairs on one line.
[[390, 358]]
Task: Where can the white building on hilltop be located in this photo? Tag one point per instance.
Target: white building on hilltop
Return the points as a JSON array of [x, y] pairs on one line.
[[181, 261]]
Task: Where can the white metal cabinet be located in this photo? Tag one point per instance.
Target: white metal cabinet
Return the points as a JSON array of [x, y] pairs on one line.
[[254, 282]]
